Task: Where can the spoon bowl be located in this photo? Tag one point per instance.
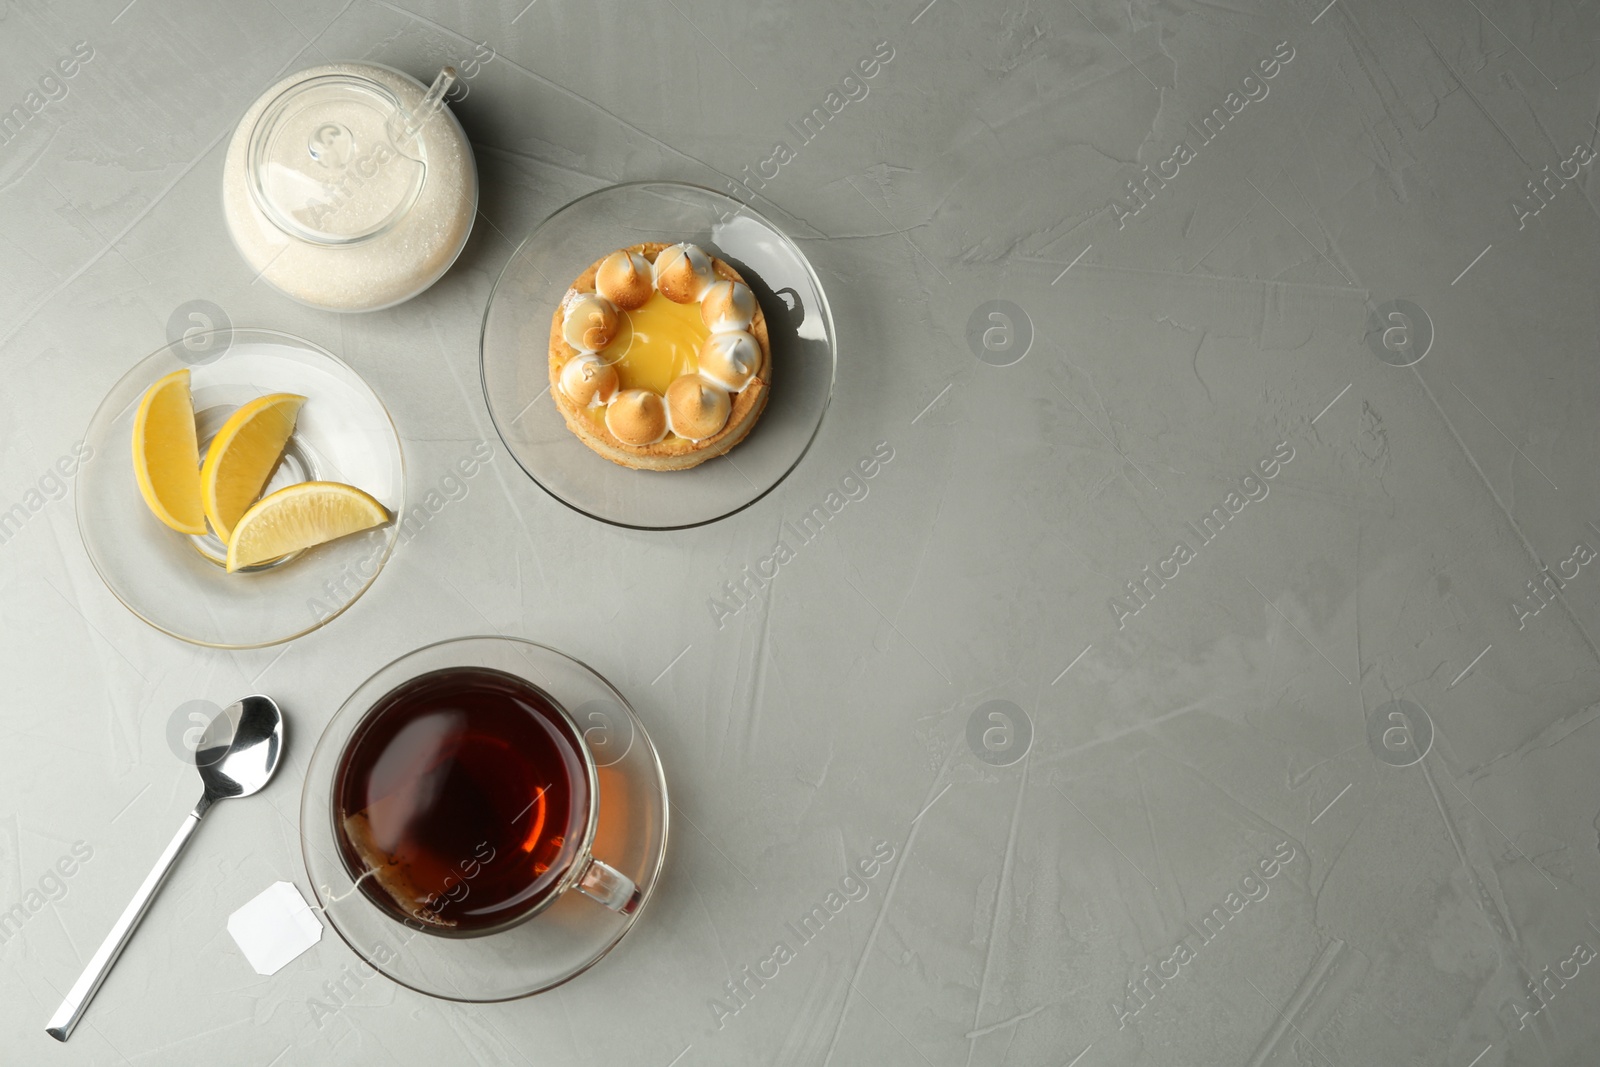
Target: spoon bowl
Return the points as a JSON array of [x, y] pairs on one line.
[[239, 748]]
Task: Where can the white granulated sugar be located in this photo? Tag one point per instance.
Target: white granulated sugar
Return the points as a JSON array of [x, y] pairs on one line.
[[389, 267]]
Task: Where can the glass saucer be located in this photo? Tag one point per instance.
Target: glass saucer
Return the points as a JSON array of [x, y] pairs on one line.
[[569, 936], [516, 334], [177, 583]]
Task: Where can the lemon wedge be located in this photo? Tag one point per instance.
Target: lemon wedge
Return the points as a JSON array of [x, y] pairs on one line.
[[242, 456], [299, 516], [166, 457]]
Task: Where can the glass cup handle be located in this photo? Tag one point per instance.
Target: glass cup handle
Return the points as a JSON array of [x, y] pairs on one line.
[[603, 882]]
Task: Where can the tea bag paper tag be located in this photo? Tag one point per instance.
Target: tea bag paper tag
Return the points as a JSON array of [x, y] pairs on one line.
[[274, 927]]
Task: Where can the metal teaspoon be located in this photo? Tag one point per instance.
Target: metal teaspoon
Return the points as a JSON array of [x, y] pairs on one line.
[[237, 755]]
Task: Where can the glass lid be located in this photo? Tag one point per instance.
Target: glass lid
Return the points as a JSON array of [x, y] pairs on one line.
[[336, 158]]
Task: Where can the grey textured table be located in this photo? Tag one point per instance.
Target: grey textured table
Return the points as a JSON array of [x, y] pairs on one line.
[[1274, 546]]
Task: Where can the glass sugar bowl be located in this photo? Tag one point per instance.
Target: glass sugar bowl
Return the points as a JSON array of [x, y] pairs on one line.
[[350, 186]]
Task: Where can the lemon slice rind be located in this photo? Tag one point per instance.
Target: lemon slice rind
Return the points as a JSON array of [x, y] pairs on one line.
[[300, 516], [166, 456], [242, 456]]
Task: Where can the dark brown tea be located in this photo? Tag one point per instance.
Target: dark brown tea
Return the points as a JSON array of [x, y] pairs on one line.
[[461, 800]]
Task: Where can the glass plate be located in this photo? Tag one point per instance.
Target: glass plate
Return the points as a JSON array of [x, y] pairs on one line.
[[569, 936], [176, 582], [516, 334]]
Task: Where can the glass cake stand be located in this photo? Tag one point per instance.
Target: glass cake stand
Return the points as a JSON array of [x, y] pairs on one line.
[[515, 358]]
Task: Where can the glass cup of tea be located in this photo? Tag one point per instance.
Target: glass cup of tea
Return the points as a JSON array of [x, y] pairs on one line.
[[465, 802]]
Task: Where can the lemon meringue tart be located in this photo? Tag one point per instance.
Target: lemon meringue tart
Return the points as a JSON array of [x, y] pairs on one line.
[[660, 357]]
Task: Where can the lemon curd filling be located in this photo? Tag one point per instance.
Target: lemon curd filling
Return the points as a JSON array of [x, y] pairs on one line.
[[655, 344]]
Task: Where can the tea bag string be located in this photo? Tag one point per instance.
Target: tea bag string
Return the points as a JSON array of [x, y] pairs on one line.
[[336, 898]]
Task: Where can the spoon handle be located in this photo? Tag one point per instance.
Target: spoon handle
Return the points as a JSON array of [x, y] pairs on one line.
[[88, 983]]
